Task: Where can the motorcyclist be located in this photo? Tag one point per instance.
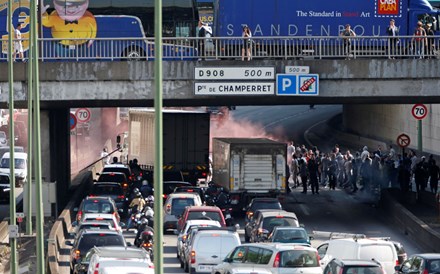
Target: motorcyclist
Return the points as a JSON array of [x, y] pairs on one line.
[[211, 193], [146, 189], [136, 205], [143, 226], [222, 199]]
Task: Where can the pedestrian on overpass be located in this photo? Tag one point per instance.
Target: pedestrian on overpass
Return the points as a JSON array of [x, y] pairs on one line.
[[247, 43], [347, 33]]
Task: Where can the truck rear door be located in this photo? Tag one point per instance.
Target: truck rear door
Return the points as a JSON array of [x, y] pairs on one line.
[[258, 173]]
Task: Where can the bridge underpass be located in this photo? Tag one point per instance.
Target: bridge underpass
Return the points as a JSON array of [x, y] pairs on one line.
[[65, 85]]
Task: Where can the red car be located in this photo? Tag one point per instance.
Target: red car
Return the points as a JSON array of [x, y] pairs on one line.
[[199, 213]]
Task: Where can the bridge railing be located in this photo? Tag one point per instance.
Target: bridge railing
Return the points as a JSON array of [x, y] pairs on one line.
[[290, 47]]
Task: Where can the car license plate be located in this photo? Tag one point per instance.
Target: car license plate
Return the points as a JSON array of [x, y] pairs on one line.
[[234, 202], [204, 268]]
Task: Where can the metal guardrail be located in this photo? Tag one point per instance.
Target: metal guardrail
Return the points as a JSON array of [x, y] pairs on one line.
[[290, 47]]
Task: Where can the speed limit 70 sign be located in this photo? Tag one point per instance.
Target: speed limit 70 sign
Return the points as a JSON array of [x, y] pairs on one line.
[[419, 111], [83, 115]]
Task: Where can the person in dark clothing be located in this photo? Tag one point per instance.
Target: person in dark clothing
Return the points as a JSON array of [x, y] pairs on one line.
[[312, 167], [287, 179], [419, 176], [303, 174], [354, 175], [434, 172], [332, 169]]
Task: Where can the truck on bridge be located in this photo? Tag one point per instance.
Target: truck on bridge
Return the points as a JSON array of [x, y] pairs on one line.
[[316, 19], [186, 137], [248, 168]]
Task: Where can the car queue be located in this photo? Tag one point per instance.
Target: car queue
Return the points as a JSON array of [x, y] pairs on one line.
[[274, 239]]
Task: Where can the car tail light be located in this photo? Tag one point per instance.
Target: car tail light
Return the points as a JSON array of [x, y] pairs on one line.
[[164, 196], [168, 208], [92, 195], [184, 237], [204, 174], [120, 196], [317, 257], [276, 261], [151, 266], [96, 269], [77, 254], [425, 271], [147, 244], [397, 263], [125, 185], [193, 257], [250, 214]]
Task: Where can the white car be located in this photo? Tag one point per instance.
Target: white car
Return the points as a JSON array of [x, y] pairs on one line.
[[181, 238], [275, 257], [20, 166], [117, 260], [115, 225], [175, 205]]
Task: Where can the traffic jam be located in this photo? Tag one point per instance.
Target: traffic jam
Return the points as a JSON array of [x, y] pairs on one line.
[[210, 240]]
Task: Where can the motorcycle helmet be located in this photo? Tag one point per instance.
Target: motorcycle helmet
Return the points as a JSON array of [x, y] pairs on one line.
[[136, 190], [144, 182], [149, 212], [144, 221], [138, 195]]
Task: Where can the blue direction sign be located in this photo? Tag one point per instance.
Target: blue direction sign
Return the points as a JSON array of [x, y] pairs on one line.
[[298, 85]]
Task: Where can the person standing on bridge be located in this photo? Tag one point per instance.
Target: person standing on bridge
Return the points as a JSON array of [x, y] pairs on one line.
[[247, 43], [347, 33], [393, 32], [18, 45], [203, 31], [419, 40]]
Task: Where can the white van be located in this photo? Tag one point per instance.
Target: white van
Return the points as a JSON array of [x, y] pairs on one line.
[[360, 249], [209, 247], [20, 166]]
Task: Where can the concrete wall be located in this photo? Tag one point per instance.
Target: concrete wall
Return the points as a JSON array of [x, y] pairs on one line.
[[107, 84], [386, 122]]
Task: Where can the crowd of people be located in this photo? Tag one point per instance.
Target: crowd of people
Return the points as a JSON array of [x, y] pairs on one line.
[[362, 170]]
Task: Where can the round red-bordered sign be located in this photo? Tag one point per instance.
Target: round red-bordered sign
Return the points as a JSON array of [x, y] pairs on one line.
[[419, 111], [72, 121], [403, 140], [83, 115]]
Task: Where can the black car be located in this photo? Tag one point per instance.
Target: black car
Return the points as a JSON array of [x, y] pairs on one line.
[[420, 264], [192, 189], [89, 238], [261, 203], [5, 187], [353, 266], [117, 177], [112, 190]]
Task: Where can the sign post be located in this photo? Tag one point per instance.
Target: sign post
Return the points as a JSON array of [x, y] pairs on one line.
[[419, 111]]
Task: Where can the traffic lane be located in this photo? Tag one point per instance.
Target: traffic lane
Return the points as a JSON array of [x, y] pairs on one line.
[[290, 122], [338, 211]]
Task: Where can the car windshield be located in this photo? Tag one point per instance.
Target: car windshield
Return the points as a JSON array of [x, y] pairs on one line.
[[178, 205], [270, 222], [19, 163], [111, 178], [363, 270], [290, 236], [265, 205], [208, 215], [299, 258], [88, 241], [4, 180], [117, 169], [434, 266], [94, 226], [107, 190], [98, 207]]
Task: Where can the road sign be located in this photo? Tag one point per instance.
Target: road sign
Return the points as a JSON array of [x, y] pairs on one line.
[[403, 140], [234, 88], [298, 84], [72, 121], [419, 111], [13, 231], [83, 115], [297, 69], [19, 214], [234, 73]]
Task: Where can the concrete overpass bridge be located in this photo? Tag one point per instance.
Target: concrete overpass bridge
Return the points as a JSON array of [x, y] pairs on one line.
[[65, 85]]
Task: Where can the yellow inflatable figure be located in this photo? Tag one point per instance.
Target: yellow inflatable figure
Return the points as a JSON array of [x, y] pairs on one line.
[[71, 20]]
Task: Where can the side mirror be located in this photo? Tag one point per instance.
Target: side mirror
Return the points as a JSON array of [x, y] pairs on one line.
[[227, 260], [74, 223], [69, 243]]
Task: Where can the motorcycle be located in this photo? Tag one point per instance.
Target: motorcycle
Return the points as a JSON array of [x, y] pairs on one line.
[[228, 216], [148, 246]]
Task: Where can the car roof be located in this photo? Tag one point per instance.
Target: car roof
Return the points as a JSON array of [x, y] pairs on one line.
[[428, 255], [288, 228], [272, 212], [102, 198], [121, 252], [353, 262], [282, 246], [100, 231], [106, 183], [177, 182], [204, 208], [260, 199], [17, 155], [364, 241], [116, 165], [112, 172], [201, 222], [183, 195], [98, 215]]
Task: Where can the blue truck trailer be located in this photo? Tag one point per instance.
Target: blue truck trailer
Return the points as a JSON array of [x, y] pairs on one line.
[[294, 24], [320, 17]]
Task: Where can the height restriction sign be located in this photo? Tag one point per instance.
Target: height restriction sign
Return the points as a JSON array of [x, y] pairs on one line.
[[419, 111]]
